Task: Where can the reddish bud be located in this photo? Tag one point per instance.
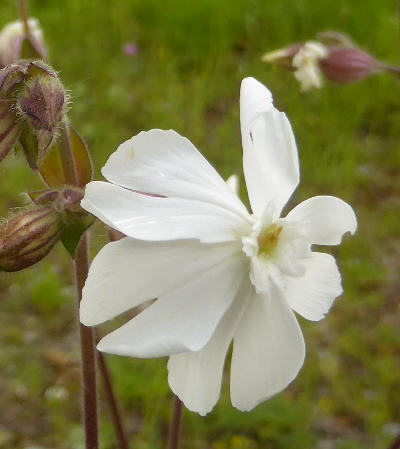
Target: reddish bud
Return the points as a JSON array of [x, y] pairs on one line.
[[33, 104], [42, 103], [28, 237], [346, 65]]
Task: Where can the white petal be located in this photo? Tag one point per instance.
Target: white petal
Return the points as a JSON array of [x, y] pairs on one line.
[[268, 351], [233, 183], [183, 319], [152, 218], [325, 219], [126, 273], [270, 160], [165, 163], [195, 377], [312, 295]]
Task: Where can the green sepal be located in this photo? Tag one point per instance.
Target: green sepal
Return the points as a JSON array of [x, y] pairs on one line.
[[43, 197], [29, 144], [75, 226]]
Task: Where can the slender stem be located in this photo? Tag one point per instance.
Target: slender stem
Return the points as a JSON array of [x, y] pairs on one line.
[[71, 177], [23, 12], [175, 428], [88, 353], [81, 269], [112, 402]]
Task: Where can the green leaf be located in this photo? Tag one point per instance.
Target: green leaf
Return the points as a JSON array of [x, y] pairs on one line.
[[82, 158], [51, 169]]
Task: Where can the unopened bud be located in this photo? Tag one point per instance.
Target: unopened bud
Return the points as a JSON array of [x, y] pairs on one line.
[[345, 65], [11, 78], [282, 57], [35, 101], [42, 104], [11, 39], [28, 237]]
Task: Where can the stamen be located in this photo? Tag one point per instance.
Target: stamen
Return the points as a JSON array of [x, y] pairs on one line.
[[268, 239]]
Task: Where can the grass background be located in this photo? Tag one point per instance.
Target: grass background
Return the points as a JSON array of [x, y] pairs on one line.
[[186, 76]]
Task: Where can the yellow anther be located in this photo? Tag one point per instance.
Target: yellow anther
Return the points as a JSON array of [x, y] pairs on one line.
[[268, 239]]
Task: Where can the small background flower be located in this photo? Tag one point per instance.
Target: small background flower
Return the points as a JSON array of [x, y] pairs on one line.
[[11, 37]]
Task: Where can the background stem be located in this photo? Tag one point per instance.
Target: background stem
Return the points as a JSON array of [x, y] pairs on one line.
[[112, 402], [175, 429], [23, 12]]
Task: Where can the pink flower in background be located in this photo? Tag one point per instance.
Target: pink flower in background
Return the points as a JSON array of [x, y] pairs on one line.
[[130, 49], [219, 273]]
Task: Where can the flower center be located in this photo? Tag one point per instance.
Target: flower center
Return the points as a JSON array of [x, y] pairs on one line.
[[268, 239]]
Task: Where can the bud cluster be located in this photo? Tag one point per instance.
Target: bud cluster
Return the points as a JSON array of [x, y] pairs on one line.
[[33, 105], [339, 61]]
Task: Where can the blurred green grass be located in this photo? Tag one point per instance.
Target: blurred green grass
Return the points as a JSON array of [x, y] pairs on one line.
[[186, 76]]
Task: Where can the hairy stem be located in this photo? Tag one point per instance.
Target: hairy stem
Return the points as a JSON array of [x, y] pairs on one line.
[[88, 353], [175, 428]]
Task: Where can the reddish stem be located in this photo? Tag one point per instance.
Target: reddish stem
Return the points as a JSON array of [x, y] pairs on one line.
[[112, 401], [88, 354], [175, 429]]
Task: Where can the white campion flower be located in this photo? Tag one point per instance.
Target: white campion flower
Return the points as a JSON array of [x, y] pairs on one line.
[[219, 272], [306, 62], [11, 37]]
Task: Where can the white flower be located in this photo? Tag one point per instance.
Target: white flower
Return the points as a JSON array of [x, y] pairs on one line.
[[219, 273], [306, 62], [11, 37]]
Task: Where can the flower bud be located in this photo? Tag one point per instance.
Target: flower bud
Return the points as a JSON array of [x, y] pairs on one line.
[[33, 103], [28, 237], [42, 104], [11, 78], [346, 65], [11, 39]]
